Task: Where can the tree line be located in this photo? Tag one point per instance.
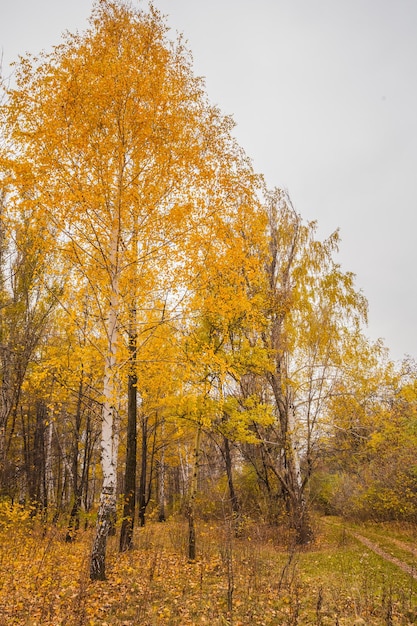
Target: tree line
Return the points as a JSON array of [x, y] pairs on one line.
[[169, 327]]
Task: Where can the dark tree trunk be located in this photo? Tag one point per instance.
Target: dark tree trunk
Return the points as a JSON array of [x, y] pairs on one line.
[[192, 498], [126, 533], [39, 478], [74, 520], [161, 489], [143, 473]]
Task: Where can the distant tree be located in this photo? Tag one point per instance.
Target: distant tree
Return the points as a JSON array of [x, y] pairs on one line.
[[27, 300], [312, 311]]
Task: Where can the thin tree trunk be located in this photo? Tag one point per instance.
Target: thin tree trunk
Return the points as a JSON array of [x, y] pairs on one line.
[[73, 524], [234, 501], [129, 507], [143, 473], [39, 480], [49, 475], [161, 487], [192, 497], [88, 453]]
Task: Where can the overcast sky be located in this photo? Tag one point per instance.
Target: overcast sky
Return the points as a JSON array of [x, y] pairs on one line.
[[324, 95]]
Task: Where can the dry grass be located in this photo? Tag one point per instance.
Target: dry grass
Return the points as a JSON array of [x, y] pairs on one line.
[[256, 579]]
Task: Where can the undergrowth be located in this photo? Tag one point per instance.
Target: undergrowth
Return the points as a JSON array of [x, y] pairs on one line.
[[258, 578]]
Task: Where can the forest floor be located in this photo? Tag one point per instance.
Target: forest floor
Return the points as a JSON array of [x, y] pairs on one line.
[[351, 575]]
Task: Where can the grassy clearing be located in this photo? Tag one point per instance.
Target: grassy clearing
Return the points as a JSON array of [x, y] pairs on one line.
[[398, 540], [256, 579]]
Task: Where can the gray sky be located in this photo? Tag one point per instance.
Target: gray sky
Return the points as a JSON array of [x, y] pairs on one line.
[[324, 94]]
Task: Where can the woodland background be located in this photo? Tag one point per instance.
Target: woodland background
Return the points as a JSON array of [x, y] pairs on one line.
[[175, 342]]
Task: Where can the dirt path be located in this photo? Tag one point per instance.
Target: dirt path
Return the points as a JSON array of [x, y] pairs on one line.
[[404, 546], [408, 569], [388, 557]]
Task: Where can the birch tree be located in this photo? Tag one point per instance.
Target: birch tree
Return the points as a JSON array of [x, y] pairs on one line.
[[312, 313], [131, 167]]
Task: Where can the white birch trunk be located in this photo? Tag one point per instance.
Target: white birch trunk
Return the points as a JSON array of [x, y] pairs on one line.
[[299, 512], [185, 469], [109, 434]]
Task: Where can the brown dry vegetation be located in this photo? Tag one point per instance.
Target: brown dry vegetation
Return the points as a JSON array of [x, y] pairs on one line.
[[255, 579]]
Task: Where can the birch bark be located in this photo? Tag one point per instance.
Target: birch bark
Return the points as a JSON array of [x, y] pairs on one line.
[[109, 434]]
